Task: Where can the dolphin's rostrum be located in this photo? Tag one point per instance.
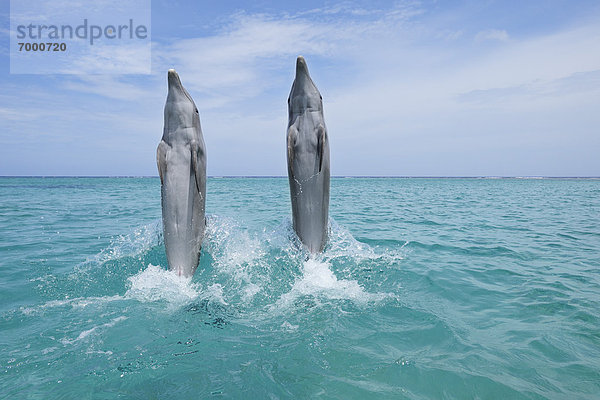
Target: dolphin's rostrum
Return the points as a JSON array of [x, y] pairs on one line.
[[308, 161], [181, 159]]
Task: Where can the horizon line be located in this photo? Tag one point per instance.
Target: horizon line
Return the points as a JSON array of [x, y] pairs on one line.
[[333, 176]]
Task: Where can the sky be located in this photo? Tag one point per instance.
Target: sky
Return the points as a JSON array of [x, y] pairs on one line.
[[410, 88]]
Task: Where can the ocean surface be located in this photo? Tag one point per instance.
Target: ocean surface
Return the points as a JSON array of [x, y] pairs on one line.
[[428, 289]]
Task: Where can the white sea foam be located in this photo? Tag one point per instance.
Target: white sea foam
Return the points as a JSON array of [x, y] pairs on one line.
[[319, 281], [77, 302], [140, 240], [155, 283], [215, 292], [289, 327], [94, 330], [250, 290], [101, 352], [158, 284], [342, 244], [49, 350]]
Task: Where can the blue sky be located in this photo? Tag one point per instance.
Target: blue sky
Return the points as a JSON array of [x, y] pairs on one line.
[[431, 88]]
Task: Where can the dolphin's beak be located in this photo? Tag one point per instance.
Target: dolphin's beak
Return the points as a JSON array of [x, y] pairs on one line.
[[303, 82], [173, 79], [175, 86], [301, 68]]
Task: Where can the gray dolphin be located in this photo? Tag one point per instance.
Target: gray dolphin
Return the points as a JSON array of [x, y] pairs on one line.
[[308, 161], [181, 159]]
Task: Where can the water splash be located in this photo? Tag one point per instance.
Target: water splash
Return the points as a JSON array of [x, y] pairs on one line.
[[155, 284], [318, 281], [342, 244], [139, 241], [235, 252], [251, 270], [240, 259]]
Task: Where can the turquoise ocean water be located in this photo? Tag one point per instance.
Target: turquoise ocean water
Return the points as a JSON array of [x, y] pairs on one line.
[[428, 289]]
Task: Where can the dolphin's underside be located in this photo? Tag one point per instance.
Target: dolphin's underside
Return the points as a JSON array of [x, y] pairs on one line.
[[181, 159], [308, 161]]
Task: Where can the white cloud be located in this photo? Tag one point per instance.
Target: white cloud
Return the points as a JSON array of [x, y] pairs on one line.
[[575, 84], [118, 58], [12, 114], [253, 46], [251, 54], [111, 87], [554, 56], [491, 34]]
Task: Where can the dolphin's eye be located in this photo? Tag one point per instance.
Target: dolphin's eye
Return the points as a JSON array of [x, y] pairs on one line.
[[321, 97], [288, 100], [196, 110]]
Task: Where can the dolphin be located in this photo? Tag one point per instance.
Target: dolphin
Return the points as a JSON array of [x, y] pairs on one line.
[[181, 159], [308, 161]]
